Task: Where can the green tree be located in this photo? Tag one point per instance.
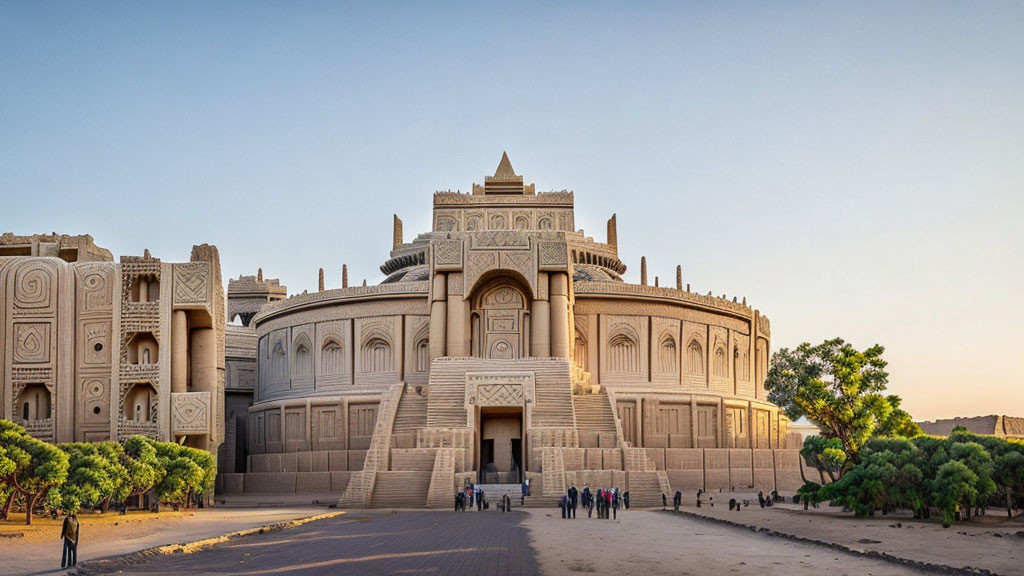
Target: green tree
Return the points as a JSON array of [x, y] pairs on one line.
[[954, 486], [840, 389], [39, 468], [1009, 474], [824, 454], [182, 474], [90, 478], [142, 465]]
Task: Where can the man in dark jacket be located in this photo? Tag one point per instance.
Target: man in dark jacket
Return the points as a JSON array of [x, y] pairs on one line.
[[587, 500], [574, 496], [69, 533]]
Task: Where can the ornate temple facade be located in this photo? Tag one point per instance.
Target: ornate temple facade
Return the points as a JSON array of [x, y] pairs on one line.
[[503, 344], [92, 349]]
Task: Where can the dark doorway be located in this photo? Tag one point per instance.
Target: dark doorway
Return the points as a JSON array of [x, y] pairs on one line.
[[516, 474], [486, 459], [501, 445]]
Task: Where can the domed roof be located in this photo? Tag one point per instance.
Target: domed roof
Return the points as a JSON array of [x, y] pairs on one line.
[[418, 273], [594, 273]]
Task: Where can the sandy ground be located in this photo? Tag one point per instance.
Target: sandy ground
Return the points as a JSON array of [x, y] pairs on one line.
[[39, 549], [654, 543], [992, 542]]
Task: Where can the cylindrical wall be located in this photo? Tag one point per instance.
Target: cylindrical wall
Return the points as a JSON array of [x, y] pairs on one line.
[[438, 316], [179, 351], [559, 297], [204, 360]]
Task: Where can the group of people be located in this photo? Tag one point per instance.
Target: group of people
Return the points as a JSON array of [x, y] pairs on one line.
[[468, 496], [473, 494], [607, 501]]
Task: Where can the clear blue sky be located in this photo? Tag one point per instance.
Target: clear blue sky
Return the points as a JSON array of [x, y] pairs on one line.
[[853, 170]]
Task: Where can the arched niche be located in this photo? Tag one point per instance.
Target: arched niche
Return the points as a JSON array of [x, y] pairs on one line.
[[140, 404], [143, 349], [500, 318], [34, 403]]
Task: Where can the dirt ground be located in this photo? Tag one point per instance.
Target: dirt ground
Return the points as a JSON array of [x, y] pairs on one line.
[[991, 542], [656, 543], [37, 548]]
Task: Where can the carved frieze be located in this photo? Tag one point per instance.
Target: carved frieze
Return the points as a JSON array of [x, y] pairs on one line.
[[448, 254], [512, 389], [191, 283], [32, 343], [35, 287], [190, 412], [553, 255]]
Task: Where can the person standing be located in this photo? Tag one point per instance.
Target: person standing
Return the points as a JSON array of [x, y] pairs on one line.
[[69, 532], [479, 500], [586, 499], [469, 494], [615, 503], [607, 502], [574, 496]]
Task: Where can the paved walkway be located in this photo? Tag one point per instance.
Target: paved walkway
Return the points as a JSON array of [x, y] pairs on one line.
[[40, 553], [402, 542], [656, 543], [990, 542], [530, 541]]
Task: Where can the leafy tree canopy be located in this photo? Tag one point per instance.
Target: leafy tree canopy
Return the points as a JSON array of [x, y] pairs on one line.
[[840, 389]]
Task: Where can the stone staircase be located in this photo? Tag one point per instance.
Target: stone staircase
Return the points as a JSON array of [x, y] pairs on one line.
[[594, 412], [645, 489], [442, 479], [400, 489], [553, 406], [412, 412], [359, 492]]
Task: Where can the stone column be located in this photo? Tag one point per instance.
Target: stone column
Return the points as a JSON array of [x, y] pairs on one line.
[[204, 360], [179, 351], [438, 316], [458, 326], [559, 299], [540, 325]]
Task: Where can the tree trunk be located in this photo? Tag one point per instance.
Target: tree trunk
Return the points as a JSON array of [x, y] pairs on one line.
[[8, 504], [1009, 502], [30, 503]]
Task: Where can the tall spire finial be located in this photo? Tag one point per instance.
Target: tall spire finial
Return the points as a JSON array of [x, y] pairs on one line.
[[504, 168]]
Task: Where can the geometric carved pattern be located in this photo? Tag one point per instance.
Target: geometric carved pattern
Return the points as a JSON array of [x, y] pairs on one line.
[[553, 254], [33, 285], [448, 253], [32, 343], [499, 395], [514, 389], [190, 412], [190, 283]]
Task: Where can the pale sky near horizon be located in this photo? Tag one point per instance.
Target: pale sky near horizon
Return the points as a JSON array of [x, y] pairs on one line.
[[853, 170]]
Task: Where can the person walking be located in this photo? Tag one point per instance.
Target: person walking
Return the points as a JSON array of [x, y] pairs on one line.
[[625, 499], [587, 500], [574, 496], [69, 532]]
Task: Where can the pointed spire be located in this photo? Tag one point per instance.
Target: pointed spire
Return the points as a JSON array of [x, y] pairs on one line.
[[504, 168], [259, 275]]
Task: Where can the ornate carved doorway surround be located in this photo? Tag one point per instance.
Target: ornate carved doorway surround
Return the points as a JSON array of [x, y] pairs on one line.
[[500, 398]]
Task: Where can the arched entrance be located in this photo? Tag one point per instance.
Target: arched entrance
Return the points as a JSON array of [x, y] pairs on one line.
[[500, 321]]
